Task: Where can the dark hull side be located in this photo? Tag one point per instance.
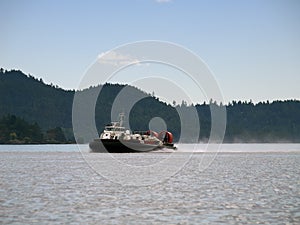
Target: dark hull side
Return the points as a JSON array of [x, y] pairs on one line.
[[116, 146]]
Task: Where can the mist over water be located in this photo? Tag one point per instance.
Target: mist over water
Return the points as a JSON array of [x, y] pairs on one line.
[[242, 148], [245, 183]]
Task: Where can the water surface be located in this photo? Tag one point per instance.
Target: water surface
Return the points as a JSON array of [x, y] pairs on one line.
[[54, 184]]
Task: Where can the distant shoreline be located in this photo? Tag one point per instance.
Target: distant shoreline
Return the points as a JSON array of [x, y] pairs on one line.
[[34, 112]]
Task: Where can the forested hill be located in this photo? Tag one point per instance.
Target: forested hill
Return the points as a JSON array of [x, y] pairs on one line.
[[31, 99], [50, 107]]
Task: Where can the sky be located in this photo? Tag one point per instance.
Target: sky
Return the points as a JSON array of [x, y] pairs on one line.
[[252, 47]]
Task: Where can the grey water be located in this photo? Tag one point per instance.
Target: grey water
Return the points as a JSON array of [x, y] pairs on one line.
[[241, 184]]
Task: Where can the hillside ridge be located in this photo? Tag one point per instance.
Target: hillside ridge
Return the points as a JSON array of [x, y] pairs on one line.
[[50, 106]]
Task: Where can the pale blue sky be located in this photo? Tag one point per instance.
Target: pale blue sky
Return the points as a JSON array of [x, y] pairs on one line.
[[252, 46]]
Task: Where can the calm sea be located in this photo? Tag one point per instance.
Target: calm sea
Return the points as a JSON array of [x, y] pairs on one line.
[[233, 184]]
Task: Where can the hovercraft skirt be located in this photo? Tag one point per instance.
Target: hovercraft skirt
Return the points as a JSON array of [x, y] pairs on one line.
[[116, 146]]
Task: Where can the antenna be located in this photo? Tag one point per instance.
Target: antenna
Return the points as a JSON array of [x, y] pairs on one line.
[[121, 116]]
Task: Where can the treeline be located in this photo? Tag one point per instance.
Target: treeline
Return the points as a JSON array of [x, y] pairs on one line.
[[264, 122], [15, 130], [246, 122], [48, 110]]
